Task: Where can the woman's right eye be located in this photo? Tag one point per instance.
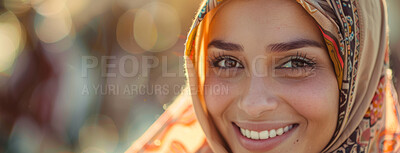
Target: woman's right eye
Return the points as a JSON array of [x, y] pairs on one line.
[[227, 62]]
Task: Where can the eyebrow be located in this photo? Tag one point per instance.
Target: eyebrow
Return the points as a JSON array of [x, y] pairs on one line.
[[299, 43], [277, 47], [225, 45]]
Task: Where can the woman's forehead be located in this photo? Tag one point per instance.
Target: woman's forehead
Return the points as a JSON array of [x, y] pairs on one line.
[[262, 21], [256, 7]]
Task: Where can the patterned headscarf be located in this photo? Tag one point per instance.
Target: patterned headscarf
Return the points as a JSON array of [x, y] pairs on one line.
[[356, 36]]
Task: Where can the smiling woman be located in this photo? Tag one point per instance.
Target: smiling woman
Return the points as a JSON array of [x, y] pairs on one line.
[[302, 76], [294, 76]]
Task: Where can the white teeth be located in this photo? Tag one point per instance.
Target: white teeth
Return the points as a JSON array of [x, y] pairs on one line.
[[248, 133], [272, 133], [279, 131], [254, 135], [286, 129], [265, 134]]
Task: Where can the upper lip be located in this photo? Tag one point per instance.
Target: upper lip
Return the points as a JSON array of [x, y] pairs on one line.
[[262, 126]]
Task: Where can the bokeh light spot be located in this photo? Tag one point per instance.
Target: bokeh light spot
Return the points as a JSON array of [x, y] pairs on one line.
[[129, 4], [76, 7], [48, 7], [17, 6], [11, 39], [145, 31], [125, 32], [156, 27], [7, 53], [99, 132], [53, 28]]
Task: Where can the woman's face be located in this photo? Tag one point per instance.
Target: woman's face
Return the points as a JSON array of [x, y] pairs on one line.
[[270, 84]]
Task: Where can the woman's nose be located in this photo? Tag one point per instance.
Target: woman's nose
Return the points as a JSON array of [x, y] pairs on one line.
[[259, 98]]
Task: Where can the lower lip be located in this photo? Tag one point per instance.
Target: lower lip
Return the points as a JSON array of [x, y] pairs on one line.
[[262, 144]]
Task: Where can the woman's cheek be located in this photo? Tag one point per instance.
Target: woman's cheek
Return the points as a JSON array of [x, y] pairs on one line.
[[220, 95], [315, 98]]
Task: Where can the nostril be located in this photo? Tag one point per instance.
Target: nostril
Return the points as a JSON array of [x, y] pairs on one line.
[[257, 107]]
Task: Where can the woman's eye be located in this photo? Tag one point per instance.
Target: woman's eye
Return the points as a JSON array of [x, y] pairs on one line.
[[227, 62], [296, 67], [297, 63], [225, 66]]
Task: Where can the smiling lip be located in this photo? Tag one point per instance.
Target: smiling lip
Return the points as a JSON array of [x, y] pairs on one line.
[[263, 144]]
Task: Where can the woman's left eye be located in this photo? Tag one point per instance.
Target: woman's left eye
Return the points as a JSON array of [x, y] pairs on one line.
[[297, 62]]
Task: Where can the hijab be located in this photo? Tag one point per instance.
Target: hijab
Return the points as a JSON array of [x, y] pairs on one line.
[[356, 36]]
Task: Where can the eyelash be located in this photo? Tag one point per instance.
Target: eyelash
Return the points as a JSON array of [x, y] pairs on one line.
[[308, 63], [215, 60]]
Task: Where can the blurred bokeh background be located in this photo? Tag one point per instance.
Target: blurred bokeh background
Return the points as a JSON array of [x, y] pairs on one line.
[[93, 75]]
